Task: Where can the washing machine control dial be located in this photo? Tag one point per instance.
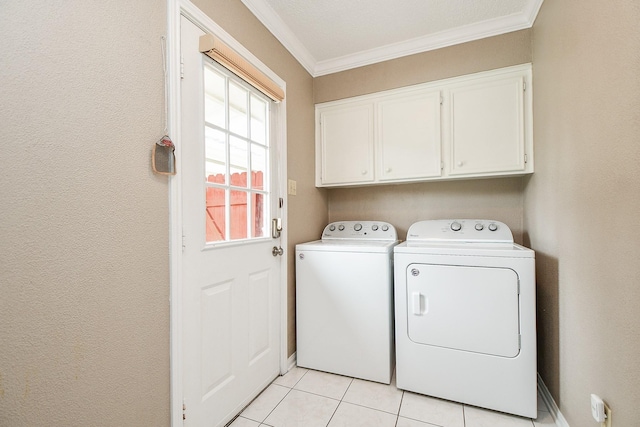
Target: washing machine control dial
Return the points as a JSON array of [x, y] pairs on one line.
[[456, 226], [385, 228], [479, 227], [357, 227], [374, 227], [341, 227], [332, 228], [493, 227]]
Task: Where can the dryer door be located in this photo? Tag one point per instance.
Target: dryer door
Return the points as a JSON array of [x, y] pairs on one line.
[[464, 308]]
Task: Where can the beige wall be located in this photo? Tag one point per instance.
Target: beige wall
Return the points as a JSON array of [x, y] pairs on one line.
[[84, 309], [581, 205], [402, 205], [84, 277], [307, 211]]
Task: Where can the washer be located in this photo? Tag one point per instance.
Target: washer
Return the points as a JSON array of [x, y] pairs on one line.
[[465, 315], [344, 300]]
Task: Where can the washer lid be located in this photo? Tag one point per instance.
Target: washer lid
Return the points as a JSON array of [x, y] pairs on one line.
[[360, 246], [460, 231]]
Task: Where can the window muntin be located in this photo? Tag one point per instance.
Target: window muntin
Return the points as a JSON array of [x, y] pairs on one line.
[[236, 157]]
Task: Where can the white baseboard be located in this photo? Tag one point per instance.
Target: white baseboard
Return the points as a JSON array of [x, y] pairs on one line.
[[558, 418], [291, 362]]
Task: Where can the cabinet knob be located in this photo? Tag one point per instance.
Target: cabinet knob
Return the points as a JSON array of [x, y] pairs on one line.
[[363, 172], [388, 170], [460, 163]]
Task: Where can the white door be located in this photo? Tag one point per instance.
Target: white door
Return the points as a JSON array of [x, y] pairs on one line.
[[230, 278]]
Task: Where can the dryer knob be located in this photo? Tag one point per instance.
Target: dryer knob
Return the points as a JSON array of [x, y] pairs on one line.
[[493, 227], [374, 227], [341, 227], [456, 226], [479, 227], [332, 228], [385, 228], [357, 227]]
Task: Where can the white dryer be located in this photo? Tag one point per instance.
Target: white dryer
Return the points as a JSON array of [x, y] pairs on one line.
[[465, 315], [344, 300]]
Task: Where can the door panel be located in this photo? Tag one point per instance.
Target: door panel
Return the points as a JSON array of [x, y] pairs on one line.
[[464, 308], [230, 288]]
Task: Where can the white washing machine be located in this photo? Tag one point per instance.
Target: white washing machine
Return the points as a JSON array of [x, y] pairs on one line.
[[466, 315], [344, 300]]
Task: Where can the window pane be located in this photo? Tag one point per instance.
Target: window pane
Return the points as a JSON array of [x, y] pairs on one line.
[[238, 109], [215, 214], [258, 120], [214, 84], [238, 161], [258, 216], [238, 215], [258, 166], [215, 155]]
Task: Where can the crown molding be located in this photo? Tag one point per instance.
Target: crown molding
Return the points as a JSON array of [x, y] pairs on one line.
[[480, 30], [282, 32]]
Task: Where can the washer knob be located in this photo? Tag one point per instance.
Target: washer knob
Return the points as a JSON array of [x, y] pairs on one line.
[[479, 227], [385, 227], [332, 227], [456, 226], [341, 227], [374, 227], [357, 227], [493, 227]]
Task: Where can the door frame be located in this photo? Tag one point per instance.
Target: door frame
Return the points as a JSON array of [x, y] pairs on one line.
[[175, 9]]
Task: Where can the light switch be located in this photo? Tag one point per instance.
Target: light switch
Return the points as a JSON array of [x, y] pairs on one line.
[[291, 187]]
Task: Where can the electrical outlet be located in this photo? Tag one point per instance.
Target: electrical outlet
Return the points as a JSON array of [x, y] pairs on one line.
[[291, 187], [607, 413]]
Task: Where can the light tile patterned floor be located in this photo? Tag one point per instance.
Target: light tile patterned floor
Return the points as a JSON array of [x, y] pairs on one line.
[[307, 398]]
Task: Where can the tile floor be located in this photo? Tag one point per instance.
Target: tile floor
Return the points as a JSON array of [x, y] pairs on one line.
[[307, 398]]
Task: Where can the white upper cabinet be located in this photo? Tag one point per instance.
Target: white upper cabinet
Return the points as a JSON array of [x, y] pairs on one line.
[[473, 126], [487, 126], [346, 144], [408, 136]]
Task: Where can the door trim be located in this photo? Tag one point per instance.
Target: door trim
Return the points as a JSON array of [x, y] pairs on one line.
[[176, 8]]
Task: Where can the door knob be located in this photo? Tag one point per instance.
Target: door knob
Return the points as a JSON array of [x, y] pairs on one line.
[[277, 251]]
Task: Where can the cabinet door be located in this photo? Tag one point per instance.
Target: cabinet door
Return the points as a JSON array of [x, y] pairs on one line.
[[487, 126], [346, 144], [409, 138]]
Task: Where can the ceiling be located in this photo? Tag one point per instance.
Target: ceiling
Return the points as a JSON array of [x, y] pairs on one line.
[[327, 36]]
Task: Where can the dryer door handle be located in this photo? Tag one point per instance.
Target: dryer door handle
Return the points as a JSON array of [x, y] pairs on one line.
[[416, 303]]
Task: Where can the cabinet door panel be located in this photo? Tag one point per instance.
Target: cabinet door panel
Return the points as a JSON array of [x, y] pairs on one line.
[[347, 144], [487, 127], [409, 137]]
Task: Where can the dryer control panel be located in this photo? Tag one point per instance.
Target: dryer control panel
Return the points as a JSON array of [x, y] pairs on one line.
[[460, 230], [360, 230]]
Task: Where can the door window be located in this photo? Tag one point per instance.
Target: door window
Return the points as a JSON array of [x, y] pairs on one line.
[[236, 156]]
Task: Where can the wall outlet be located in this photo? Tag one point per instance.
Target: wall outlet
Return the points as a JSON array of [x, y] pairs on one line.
[[291, 187], [607, 413]]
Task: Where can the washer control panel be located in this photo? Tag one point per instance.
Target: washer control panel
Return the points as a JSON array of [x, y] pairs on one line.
[[460, 230], [360, 230]]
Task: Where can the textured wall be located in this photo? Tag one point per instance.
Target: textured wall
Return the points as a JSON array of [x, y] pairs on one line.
[[401, 205], [581, 205], [480, 55], [307, 210], [84, 281]]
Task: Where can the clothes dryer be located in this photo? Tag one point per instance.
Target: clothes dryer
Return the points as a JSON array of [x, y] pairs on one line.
[[465, 315], [344, 300]]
